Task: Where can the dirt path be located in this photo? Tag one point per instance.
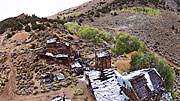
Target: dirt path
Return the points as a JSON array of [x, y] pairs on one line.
[[8, 93]]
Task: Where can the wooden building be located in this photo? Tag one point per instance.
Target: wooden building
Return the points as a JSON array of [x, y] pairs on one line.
[[56, 50], [143, 85], [103, 61]]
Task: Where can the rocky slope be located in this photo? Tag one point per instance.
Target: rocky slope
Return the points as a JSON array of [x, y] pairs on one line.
[[161, 34]]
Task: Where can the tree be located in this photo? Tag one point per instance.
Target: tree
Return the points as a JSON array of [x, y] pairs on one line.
[[27, 28], [138, 61], [167, 73], [127, 43]]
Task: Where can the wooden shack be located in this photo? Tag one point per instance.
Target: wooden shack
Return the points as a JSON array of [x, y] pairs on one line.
[[56, 50], [103, 61], [143, 88]]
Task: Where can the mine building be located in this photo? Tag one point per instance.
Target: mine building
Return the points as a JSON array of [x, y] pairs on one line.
[[102, 60], [141, 85], [56, 50]]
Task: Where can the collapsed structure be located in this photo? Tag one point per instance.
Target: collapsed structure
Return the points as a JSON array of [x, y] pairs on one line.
[[56, 50], [105, 86], [141, 85]]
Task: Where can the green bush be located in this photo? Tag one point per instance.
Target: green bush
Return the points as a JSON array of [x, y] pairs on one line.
[[82, 31], [35, 92], [174, 94], [80, 20], [41, 26], [78, 91], [96, 39], [27, 28], [90, 12], [127, 43], [55, 26], [138, 61], [71, 15], [34, 26], [142, 10], [8, 35], [60, 22], [105, 9], [48, 25], [17, 26]]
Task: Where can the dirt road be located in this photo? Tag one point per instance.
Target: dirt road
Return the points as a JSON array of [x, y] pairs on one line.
[[8, 93]]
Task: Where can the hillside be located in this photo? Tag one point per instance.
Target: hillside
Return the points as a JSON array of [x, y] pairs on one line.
[[161, 34], [153, 27]]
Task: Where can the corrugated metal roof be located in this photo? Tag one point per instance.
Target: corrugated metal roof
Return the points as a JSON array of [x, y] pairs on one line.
[[106, 90]]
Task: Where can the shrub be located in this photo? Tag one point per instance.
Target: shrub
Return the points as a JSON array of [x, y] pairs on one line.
[[27, 28], [80, 20], [91, 19], [34, 26], [78, 91], [2, 31], [127, 43], [82, 31], [97, 14], [24, 22], [71, 15], [35, 92], [105, 9], [138, 61], [109, 38], [90, 12], [48, 25], [55, 26], [17, 26], [142, 10], [174, 94], [60, 22], [8, 35], [173, 27], [96, 39], [40, 26]]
